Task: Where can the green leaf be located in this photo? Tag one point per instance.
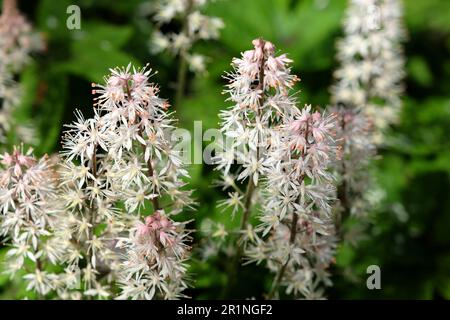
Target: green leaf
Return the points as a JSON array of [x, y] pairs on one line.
[[419, 71], [96, 48]]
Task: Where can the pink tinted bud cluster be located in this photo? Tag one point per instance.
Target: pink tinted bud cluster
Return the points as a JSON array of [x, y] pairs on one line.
[[253, 64], [17, 160], [309, 127], [159, 228]]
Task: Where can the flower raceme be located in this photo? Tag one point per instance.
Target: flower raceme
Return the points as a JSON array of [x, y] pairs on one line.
[[125, 156], [157, 252], [366, 93], [139, 140], [17, 42], [29, 211], [259, 90], [296, 233], [195, 26], [147, 167], [372, 63]]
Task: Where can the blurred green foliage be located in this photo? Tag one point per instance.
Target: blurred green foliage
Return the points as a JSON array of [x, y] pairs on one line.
[[409, 236]]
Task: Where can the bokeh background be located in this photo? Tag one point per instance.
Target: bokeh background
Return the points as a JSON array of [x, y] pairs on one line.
[[409, 231]]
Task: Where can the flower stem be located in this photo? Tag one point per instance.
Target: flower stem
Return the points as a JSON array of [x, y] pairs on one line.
[[250, 187], [181, 79], [240, 246], [155, 200], [280, 274], [342, 191], [151, 174], [93, 209], [182, 59]]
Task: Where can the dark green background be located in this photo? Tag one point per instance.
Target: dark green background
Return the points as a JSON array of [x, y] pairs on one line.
[[409, 237]]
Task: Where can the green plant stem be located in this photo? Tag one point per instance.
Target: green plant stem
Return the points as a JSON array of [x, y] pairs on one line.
[[280, 274], [94, 173], [249, 191], [155, 200], [182, 60], [92, 209]]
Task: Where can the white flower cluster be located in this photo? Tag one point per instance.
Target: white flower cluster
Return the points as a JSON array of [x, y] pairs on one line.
[[258, 88], [355, 135], [92, 222], [17, 42], [195, 26], [367, 91], [125, 156], [28, 215], [297, 227], [371, 58]]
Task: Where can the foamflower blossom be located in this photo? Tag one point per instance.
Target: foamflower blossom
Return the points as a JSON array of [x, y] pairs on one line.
[[92, 222], [146, 172], [17, 42], [156, 253], [366, 94], [296, 236], [259, 89], [355, 132], [195, 26], [28, 211]]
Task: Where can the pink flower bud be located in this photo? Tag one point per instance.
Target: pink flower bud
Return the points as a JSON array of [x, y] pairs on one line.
[[149, 220], [155, 225], [157, 215], [316, 116], [269, 48], [24, 160], [272, 64], [248, 55], [165, 223], [142, 230], [114, 81], [318, 134], [139, 78]]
